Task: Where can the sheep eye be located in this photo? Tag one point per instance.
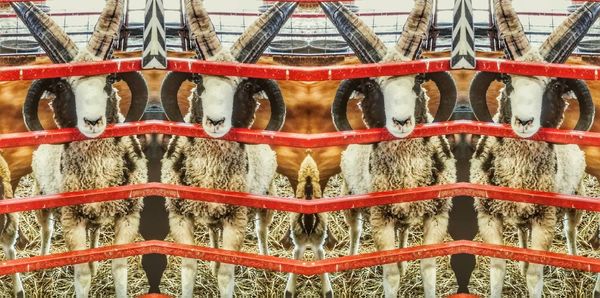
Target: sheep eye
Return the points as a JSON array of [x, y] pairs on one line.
[[369, 86], [248, 86]]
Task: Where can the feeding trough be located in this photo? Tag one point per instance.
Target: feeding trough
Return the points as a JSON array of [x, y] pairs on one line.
[[326, 46], [288, 46], [18, 46]]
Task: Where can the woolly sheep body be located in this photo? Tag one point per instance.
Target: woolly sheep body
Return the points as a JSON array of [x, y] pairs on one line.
[[86, 165], [9, 225], [223, 165]]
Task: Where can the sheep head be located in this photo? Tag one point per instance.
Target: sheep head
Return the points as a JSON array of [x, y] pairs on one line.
[[397, 103], [221, 103], [530, 103], [88, 103]]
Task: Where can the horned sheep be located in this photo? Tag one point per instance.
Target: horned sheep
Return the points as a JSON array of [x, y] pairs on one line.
[[528, 103], [88, 103], [397, 103], [220, 103]]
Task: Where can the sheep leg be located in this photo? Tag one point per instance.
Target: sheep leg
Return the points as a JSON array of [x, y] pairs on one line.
[[94, 240], [290, 288], [45, 219], [523, 233], [126, 229], [213, 238], [264, 217], [9, 251], [384, 237], [75, 232], [182, 230], [403, 240], [327, 290], [541, 239], [233, 238], [490, 229], [353, 219], [435, 229], [570, 222]]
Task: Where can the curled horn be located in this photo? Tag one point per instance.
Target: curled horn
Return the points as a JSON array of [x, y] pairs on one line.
[[106, 30], [168, 94], [139, 94], [587, 109], [478, 94], [278, 109], [32, 102], [202, 31], [448, 94], [415, 30], [360, 37], [340, 103], [252, 43], [52, 38], [511, 30]]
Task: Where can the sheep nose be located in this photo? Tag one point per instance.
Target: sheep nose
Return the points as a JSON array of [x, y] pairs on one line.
[[401, 122], [215, 122], [525, 122], [92, 122]]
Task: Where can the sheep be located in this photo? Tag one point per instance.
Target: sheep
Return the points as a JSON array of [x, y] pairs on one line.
[[9, 224], [528, 103], [88, 103], [397, 103], [308, 230], [220, 103]]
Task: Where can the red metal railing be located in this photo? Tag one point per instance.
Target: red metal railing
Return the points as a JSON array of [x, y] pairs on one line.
[[298, 140], [279, 72], [298, 266], [300, 206]]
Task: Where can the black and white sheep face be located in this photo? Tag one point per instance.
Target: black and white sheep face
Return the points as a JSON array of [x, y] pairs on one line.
[[91, 100], [400, 102], [217, 105], [526, 98]]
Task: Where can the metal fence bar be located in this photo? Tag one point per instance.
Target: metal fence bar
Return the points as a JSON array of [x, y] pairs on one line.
[[279, 264]]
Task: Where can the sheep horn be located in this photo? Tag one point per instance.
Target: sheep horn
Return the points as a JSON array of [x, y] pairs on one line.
[[139, 94], [364, 42], [250, 46], [52, 38], [340, 103], [106, 30], [32, 102], [168, 94], [511, 30], [278, 109], [563, 40], [448, 94], [478, 94], [415, 30], [202, 31], [587, 109]]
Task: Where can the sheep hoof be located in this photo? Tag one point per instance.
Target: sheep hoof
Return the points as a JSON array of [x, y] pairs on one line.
[[329, 294], [524, 267], [20, 294], [289, 295]]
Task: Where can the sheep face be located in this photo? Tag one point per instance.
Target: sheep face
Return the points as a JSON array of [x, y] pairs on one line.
[[91, 95], [526, 96], [400, 96], [217, 105]]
